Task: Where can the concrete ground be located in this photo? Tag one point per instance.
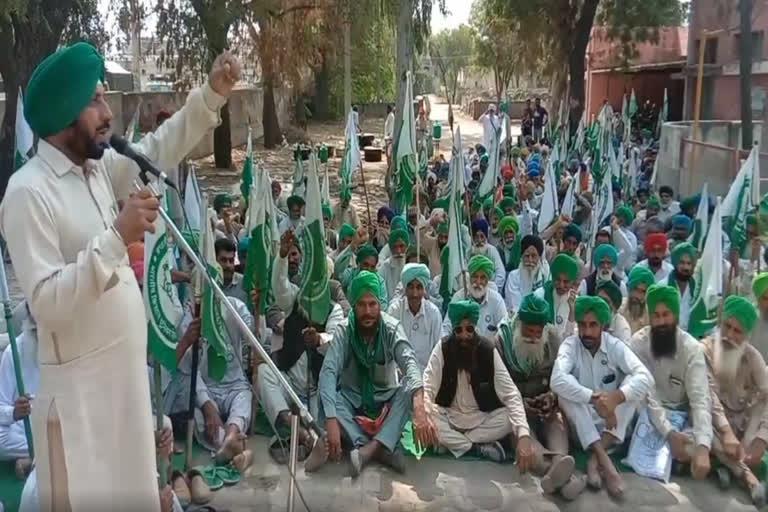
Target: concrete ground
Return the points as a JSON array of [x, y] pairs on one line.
[[440, 484]]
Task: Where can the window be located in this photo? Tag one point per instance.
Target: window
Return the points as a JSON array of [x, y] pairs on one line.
[[757, 45], [710, 50]]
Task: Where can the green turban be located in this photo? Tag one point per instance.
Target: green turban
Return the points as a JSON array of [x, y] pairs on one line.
[[366, 251], [440, 203], [398, 222], [682, 249], [488, 203], [751, 219], [572, 231], [417, 271], [480, 263], [507, 202], [442, 228], [534, 310], [653, 202], [295, 200], [760, 285], [498, 212], [613, 291], [398, 234], [664, 294], [327, 211], [605, 251], [744, 311], [61, 87], [509, 223], [626, 214], [596, 305], [221, 201], [364, 282], [640, 275], [689, 203], [346, 231], [508, 190], [461, 309], [345, 194], [565, 264]]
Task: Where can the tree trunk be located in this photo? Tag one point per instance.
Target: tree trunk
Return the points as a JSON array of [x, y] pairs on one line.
[[24, 42], [347, 64], [576, 56], [745, 72], [272, 135], [135, 22], [322, 92], [403, 64]]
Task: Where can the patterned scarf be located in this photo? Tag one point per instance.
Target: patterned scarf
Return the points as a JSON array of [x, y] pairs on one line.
[[521, 366], [366, 356]]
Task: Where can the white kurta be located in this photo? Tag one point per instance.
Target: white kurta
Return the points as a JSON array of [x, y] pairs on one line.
[[13, 441], [492, 313], [563, 325], [519, 284], [423, 329], [73, 269], [662, 274]]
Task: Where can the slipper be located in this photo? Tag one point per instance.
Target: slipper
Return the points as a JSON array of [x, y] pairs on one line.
[[180, 488], [210, 476], [199, 489], [228, 474]]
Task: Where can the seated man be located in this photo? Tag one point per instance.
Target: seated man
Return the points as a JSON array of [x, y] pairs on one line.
[[633, 308], [301, 354], [655, 252], [759, 338], [509, 245], [420, 318], [391, 268], [739, 397], [605, 259], [295, 218], [492, 308], [14, 408], [481, 247], [560, 294], [619, 327], [232, 282], [529, 347], [367, 259], [331, 235], [359, 394], [684, 262], [599, 382], [470, 395], [529, 276], [677, 363]]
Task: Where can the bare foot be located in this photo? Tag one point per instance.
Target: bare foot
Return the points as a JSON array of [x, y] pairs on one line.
[[594, 480], [243, 461], [318, 457], [234, 444], [614, 484]]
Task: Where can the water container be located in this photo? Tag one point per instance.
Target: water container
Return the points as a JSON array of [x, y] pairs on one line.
[[437, 131]]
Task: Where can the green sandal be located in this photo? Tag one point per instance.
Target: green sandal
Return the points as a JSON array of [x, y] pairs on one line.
[[228, 474], [211, 477]]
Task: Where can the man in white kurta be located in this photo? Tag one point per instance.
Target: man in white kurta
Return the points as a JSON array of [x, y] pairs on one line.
[[391, 268], [599, 383], [531, 275], [13, 441], [68, 243]]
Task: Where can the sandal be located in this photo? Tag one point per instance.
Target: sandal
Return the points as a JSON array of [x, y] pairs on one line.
[[228, 474], [210, 476]]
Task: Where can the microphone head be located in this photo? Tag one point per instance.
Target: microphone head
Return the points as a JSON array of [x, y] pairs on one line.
[[118, 143]]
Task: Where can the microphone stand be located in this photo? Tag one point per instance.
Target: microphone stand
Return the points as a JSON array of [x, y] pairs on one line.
[[241, 325]]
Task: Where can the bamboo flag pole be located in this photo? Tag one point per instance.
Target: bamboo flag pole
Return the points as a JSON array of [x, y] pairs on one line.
[[6, 298]]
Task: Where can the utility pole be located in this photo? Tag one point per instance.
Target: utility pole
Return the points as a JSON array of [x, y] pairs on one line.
[[745, 73]]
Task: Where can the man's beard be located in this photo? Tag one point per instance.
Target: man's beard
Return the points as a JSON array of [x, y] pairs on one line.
[[654, 262], [636, 307], [529, 349], [397, 262], [479, 249], [727, 362], [293, 270], [680, 276], [664, 341], [478, 292], [465, 353], [440, 245], [604, 275], [529, 274]]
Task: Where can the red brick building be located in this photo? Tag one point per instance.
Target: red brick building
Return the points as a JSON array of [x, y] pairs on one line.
[[655, 66]]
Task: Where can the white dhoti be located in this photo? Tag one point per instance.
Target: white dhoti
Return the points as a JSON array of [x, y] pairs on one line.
[[234, 408], [13, 442], [494, 426], [274, 398], [588, 425]]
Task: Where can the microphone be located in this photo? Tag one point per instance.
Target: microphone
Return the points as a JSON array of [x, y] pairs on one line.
[[121, 145]]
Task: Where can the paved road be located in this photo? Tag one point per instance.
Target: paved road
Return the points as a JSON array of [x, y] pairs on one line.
[[471, 130]]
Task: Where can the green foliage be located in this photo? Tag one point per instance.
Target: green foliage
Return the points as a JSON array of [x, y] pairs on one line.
[[185, 43], [452, 52], [498, 43]]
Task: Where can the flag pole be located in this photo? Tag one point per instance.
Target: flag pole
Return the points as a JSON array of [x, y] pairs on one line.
[[6, 298], [365, 193], [162, 462]]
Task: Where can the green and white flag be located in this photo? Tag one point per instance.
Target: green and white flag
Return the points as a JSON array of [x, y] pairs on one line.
[[24, 136], [246, 179], [132, 131], [314, 291], [261, 226], [569, 202], [663, 114], [493, 172], [352, 160], [549, 203], [325, 188], [632, 105], [212, 325], [700, 222], [655, 174], [299, 175], [708, 277], [161, 300], [742, 198], [456, 250], [579, 138], [406, 151]]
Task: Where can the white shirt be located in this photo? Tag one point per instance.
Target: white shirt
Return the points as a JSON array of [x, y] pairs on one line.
[[686, 301], [583, 287], [663, 273], [577, 374], [389, 126], [620, 328], [669, 211], [288, 223], [563, 325], [423, 329], [500, 274], [626, 243], [30, 372], [492, 313], [391, 274], [519, 284]]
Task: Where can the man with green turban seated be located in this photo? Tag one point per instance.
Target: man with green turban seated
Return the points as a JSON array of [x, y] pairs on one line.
[[67, 239], [331, 235], [361, 401], [677, 363], [749, 254], [421, 319], [366, 258], [480, 289], [509, 242], [759, 338], [528, 346], [346, 236], [599, 383], [605, 260], [633, 309], [295, 219], [560, 294], [391, 268], [344, 212], [684, 260], [619, 327], [739, 391], [470, 395], [624, 239]]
